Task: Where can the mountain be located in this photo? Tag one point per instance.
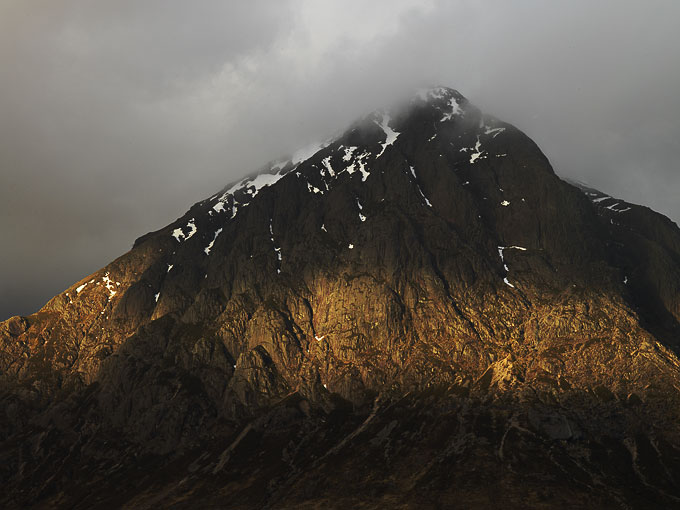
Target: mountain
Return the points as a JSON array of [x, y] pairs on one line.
[[416, 314]]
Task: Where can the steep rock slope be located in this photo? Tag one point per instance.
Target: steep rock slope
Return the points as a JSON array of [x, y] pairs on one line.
[[419, 310]]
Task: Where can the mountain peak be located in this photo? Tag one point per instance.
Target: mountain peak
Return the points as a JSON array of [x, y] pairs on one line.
[[432, 111], [438, 92], [421, 286]]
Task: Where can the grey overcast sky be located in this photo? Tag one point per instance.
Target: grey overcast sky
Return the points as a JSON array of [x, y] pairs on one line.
[[117, 115]]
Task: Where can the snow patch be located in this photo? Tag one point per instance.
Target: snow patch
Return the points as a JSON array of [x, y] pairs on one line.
[[362, 168], [192, 229], [109, 284], [505, 203], [209, 247], [601, 198], [359, 161], [327, 164], [251, 186], [277, 249], [452, 107], [361, 216], [478, 152], [179, 234], [501, 249], [420, 191], [261, 181], [348, 153], [493, 131], [613, 208], [313, 189], [390, 134], [598, 200], [454, 110], [79, 289], [520, 248], [156, 296]]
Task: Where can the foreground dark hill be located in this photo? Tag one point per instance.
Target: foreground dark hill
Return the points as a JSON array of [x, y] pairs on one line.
[[419, 313]]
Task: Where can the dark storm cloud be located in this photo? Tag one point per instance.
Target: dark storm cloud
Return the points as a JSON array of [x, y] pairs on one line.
[[116, 116], [103, 130]]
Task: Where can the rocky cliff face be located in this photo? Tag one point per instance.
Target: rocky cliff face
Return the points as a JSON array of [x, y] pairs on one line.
[[416, 313]]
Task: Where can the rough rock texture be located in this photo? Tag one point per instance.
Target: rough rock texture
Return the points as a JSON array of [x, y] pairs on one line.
[[419, 314]]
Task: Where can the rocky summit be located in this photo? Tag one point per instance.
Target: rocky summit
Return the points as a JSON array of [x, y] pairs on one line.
[[416, 314]]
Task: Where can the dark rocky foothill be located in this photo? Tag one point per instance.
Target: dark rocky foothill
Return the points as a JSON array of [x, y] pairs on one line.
[[417, 314]]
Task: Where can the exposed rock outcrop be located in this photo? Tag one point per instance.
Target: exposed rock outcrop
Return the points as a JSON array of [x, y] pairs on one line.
[[418, 313]]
